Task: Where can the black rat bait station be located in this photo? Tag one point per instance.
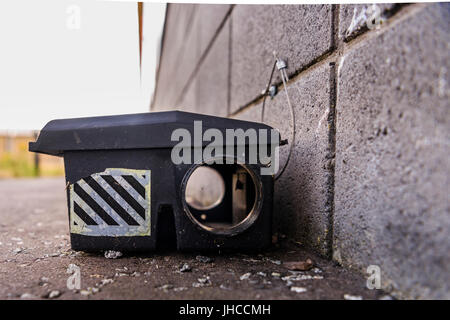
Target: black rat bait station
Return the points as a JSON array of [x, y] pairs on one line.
[[165, 180]]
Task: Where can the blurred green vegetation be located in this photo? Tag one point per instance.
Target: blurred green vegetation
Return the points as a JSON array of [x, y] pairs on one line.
[[21, 165], [16, 166]]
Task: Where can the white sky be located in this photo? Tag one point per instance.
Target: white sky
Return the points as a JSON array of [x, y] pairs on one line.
[[49, 71]]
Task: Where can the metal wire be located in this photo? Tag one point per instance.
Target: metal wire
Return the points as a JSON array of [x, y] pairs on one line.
[[285, 78], [267, 91]]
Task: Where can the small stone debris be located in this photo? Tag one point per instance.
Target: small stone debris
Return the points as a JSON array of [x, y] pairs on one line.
[[277, 262], [223, 287], [316, 270], [298, 289], [299, 265], [89, 291], [53, 294], [204, 259], [301, 277], [121, 274], [94, 290], [53, 255], [106, 281], [124, 269], [202, 282], [43, 281], [17, 250], [185, 268], [180, 289], [166, 287], [386, 297], [351, 297], [245, 276], [27, 295], [111, 254], [262, 274], [276, 274]]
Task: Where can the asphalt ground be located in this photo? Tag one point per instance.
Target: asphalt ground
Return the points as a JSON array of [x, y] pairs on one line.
[[35, 256]]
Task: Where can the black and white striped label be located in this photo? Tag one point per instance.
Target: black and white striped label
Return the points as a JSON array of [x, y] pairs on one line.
[[112, 203]]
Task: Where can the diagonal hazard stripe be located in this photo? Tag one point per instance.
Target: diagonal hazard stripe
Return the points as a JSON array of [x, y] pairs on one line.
[[94, 205], [142, 201], [105, 204], [135, 184], [91, 213], [83, 215], [125, 195], [119, 199], [111, 202]]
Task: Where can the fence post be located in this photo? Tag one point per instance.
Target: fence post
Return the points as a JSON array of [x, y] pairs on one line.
[[37, 171]]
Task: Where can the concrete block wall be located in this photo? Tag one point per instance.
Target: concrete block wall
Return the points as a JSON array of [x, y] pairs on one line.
[[368, 180]]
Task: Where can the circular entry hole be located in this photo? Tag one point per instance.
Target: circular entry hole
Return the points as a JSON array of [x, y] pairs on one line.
[[221, 198], [205, 189]]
